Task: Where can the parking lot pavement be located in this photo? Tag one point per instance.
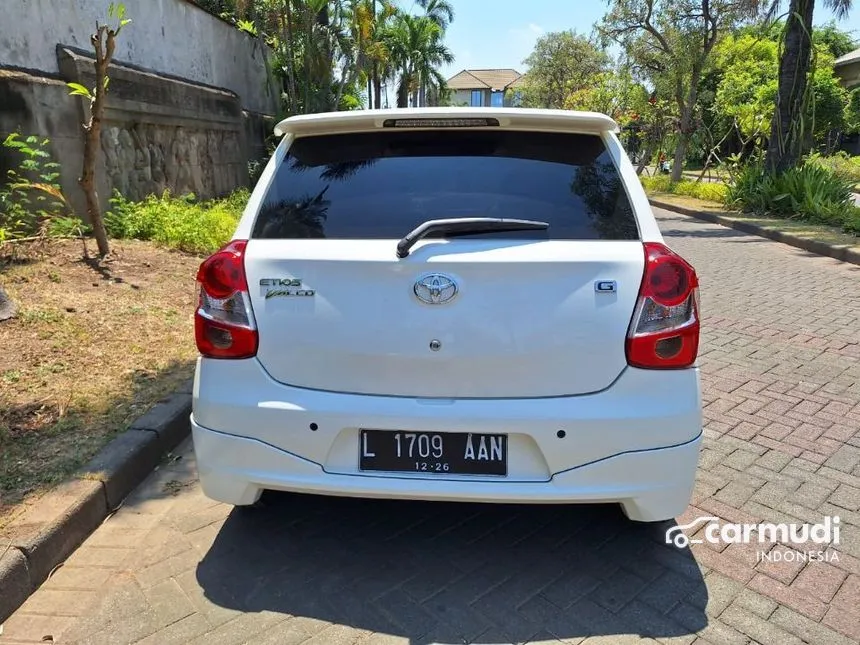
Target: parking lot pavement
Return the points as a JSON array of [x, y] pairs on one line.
[[781, 375]]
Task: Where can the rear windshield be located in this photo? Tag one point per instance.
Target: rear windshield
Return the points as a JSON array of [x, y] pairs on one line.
[[382, 185]]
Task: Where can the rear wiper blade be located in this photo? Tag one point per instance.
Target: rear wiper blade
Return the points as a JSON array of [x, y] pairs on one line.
[[466, 225]]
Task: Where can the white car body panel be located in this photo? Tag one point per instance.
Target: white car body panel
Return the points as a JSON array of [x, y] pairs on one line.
[[643, 410], [523, 324], [355, 356], [650, 486], [260, 432]]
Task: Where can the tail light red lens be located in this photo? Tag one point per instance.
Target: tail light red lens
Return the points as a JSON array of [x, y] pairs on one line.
[[224, 323], [223, 273], [664, 331], [668, 281]]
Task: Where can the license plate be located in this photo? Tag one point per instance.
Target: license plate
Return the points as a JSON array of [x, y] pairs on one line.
[[439, 453]]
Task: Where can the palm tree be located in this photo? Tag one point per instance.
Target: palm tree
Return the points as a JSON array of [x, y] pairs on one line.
[[439, 11], [786, 138], [418, 51], [375, 16], [442, 13]]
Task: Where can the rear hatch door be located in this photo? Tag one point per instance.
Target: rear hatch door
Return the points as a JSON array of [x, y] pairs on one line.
[[489, 315]]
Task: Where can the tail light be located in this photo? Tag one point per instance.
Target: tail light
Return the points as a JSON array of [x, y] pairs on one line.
[[224, 323], [664, 332]]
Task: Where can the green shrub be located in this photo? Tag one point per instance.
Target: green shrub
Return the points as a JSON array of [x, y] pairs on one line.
[[810, 192], [657, 184], [68, 226], [177, 222], [709, 191], [31, 195], [841, 163], [852, 221]]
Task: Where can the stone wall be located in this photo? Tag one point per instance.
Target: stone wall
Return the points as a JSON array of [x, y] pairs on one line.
[[161, 131], [33, 104]]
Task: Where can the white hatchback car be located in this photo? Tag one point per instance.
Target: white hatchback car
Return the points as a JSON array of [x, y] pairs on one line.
[[449, 304]]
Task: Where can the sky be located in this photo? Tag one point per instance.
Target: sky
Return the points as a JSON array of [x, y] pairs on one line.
[[501, 33]]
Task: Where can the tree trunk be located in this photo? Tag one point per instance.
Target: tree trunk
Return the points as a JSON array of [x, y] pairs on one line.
[[307, 62], [348, 78], [377, 87], [372, 97], [685, 126], [647, 153], [403, 93], [323, 20], [680, 155], [681, 145], [786, 135], [288, 55], [103, 44]]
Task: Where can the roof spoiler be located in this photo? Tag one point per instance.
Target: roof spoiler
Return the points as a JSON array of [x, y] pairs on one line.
[[445, 117]]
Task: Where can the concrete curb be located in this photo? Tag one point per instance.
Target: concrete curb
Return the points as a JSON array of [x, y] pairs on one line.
[[32, 545], [838, 252]]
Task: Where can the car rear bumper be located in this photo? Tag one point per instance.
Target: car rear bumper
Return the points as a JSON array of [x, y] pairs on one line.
[[636, 443], [650, 485]]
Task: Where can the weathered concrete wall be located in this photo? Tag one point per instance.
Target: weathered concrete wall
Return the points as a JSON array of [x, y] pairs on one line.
[[37, 105], [167, 125], [172, 37], [162, 134]]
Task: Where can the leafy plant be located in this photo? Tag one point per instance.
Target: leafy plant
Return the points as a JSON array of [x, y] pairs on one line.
[[180, 223], [841, 163], [247, 26], [810, 192], [32, 196], [68, 227]]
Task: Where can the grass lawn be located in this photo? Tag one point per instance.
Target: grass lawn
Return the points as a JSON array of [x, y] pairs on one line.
[[92, 348]]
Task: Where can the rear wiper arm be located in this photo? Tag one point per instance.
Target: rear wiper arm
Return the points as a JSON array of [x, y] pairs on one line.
[[465, 225]]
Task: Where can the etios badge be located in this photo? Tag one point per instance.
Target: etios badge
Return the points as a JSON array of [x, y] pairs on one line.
[[435, 289]]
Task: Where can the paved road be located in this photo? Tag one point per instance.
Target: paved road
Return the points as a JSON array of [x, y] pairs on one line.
[[781, 373]]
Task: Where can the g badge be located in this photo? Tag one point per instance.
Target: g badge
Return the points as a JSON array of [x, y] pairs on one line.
[[605, 286]]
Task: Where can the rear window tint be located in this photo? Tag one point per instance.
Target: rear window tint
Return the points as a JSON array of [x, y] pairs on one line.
[[382, 185]]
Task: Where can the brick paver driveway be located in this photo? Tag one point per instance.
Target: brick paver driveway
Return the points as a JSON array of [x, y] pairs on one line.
[[781, 372]]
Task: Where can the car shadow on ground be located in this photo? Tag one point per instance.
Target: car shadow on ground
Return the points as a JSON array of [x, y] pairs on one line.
[[454, 573]]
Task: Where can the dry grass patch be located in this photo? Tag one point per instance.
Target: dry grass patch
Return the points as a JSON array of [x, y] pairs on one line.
[[93, 346]]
